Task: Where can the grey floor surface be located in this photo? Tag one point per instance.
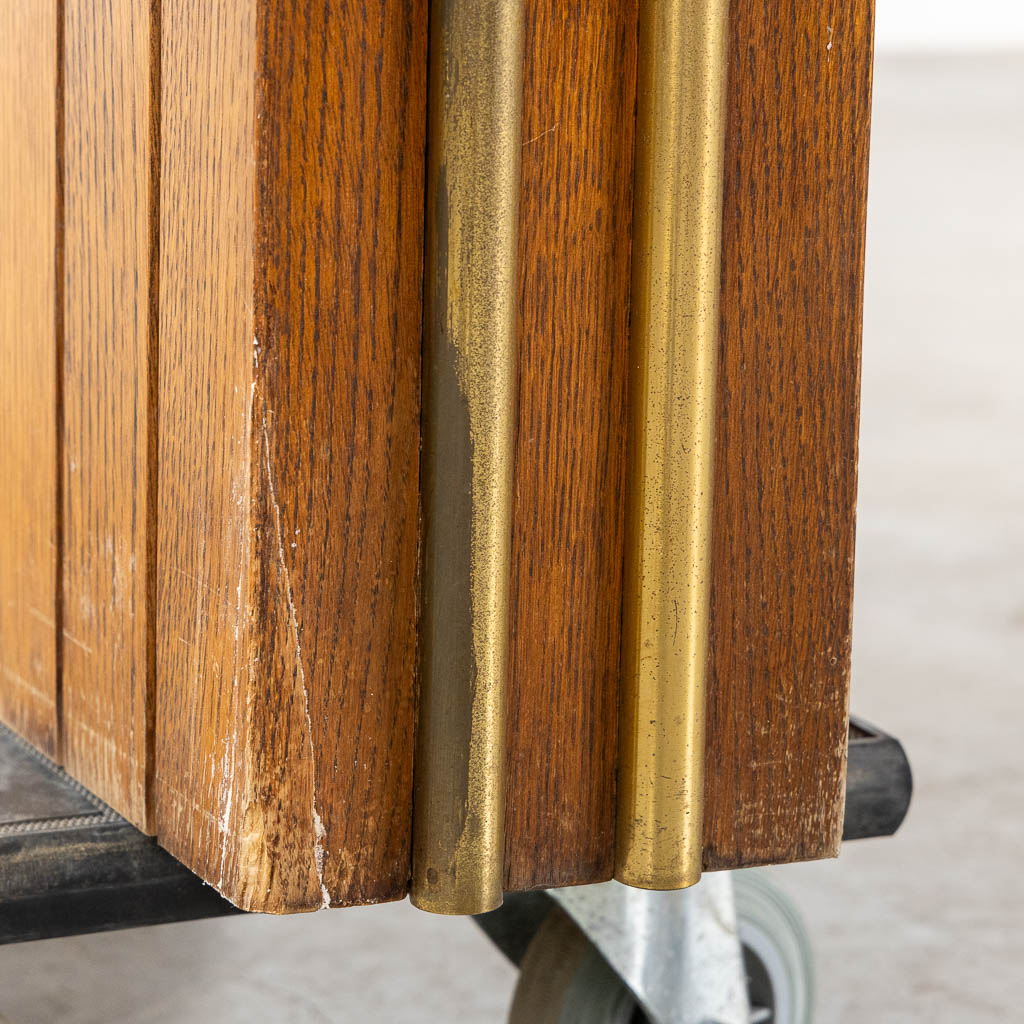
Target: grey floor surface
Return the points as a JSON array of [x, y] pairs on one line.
[[925, 927]]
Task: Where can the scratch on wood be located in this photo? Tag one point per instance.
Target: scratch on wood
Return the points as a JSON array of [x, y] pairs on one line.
[[44, 619], [21, 681], [318, 825], [230, 761], [77, 642], [547, 131]]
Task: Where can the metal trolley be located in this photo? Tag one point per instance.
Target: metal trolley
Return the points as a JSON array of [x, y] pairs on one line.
[[731, 949]]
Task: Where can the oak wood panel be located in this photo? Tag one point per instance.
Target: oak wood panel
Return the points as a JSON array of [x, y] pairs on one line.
[[206, 353], [28, 371], [291, 271], [340, 205], [106, 368], [785, 487], [577, 171]]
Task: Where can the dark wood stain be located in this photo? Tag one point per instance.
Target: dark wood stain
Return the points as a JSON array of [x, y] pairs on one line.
[[575, 226], [786, 474], [340, 146]]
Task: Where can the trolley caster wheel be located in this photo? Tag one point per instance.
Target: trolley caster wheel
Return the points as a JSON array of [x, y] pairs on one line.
[[564, 979], [776, 952]]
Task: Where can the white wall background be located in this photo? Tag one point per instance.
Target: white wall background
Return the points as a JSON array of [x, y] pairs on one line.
[[943, 26]]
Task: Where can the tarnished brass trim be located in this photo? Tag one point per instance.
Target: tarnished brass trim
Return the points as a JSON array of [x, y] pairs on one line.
[[470, 370], [676, 264]]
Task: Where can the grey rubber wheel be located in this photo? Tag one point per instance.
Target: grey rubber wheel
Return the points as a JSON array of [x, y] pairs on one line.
[[565, 980], [777, 952]]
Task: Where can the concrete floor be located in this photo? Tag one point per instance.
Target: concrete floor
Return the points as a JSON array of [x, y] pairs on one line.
[[925, 927]]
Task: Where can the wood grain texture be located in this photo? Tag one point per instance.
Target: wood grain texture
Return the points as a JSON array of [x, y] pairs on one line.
[[291, 271], [786, 473], [106, 366], [340, 208], [28, 361], [795, 189], [281, 656], [577, 183], [206, 384]]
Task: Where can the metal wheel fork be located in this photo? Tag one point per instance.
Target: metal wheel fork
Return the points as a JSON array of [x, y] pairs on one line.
[[678, 951]]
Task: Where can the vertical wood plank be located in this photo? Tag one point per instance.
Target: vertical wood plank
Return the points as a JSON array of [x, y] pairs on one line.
[[28, 359], [580, 80], [206, 381], [786, 474], [341, 141], [107, 425], [290, 279]]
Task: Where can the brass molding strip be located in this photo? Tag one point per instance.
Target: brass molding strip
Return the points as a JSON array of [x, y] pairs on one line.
[[469, 396], [677, 232]]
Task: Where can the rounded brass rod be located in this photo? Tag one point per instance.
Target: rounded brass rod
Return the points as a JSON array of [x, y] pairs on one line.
[[673, 354], [469, 392]]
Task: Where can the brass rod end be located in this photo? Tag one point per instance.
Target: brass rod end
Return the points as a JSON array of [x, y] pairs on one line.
[[674, 350], [469, 393]]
